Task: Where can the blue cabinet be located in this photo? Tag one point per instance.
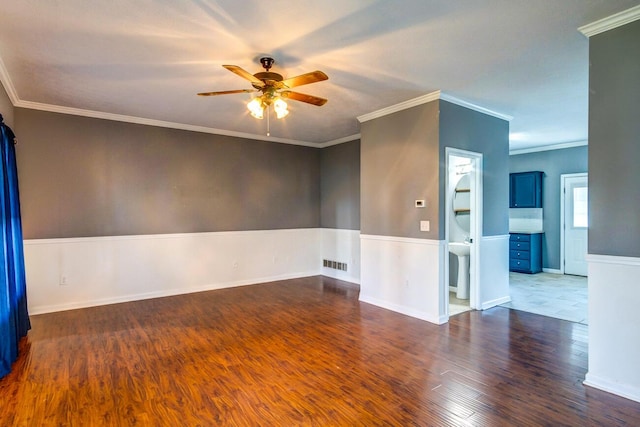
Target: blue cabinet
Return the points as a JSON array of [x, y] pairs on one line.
[[525, 190], [525, 253]]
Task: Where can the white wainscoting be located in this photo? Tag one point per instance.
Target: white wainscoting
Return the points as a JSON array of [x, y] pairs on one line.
[[614, 341], [65, 274], [342, 246], [494, 271], [404, 275]]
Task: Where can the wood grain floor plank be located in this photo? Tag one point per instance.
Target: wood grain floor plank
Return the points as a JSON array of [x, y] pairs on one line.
[[300, 352]]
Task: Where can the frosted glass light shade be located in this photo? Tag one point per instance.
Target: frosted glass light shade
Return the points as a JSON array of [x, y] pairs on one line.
[[256, 108]]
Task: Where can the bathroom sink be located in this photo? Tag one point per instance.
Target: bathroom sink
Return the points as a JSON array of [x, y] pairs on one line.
[[459, 248]]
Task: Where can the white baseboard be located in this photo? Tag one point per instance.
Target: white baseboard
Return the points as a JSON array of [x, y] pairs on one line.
[[340, 275], [495, 302], [494, 271], [404, 275], [114, 269], [631, 393], [409, 311], [72, 273], [341, 246], [552, 271], [160, 294], [614, 351]]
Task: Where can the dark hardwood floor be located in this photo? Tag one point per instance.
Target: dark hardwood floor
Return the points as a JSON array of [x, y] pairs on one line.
[[300, 352]]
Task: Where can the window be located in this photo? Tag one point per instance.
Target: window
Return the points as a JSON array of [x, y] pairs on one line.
[[580, 207]]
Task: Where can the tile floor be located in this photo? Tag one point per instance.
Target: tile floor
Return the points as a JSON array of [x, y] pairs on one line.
[[457, 306], [554, 295]]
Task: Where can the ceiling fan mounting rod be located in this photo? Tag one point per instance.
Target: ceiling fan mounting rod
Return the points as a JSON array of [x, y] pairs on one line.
[[267, 62]]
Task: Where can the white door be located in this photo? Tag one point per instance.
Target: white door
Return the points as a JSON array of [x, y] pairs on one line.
[[475, 221], [576, 221]]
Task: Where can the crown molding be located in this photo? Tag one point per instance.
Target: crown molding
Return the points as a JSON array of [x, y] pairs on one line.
[[428, 98], [548, 147], [399, 107], [611, 22], [153, 122], [341, 140], [8, 84], [474, 107]]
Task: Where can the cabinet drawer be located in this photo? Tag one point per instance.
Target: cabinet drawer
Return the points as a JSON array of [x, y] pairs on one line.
[[525, 252], [519, 255], [519, 246], [519, 264]]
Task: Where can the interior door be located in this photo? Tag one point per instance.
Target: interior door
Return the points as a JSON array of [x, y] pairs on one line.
[[576, 221]]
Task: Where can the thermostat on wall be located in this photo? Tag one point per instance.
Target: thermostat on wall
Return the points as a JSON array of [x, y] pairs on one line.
[[420, 204]]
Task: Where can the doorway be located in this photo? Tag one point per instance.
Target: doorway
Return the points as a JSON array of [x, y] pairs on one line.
[[463, 228], [574, 223]]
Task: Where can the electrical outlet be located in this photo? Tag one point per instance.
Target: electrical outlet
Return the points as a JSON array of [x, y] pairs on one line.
[[63, 281]]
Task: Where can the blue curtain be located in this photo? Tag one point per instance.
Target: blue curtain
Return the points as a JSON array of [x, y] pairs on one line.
[[14, 318]]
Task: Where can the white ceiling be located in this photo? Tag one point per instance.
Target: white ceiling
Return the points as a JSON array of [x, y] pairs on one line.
[[145, 60]]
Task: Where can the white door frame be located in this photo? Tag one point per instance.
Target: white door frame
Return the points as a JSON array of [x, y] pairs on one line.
[[475, 231], [563, 185]]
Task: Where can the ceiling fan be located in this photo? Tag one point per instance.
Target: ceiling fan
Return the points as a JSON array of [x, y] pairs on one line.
[[273, 88]]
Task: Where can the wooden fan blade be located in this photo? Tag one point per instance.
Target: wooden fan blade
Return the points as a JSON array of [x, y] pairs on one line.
[[305, 79], [226, 92], [309, 99], [244, 74]]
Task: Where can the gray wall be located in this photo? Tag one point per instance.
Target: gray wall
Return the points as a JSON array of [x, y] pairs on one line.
[[84, 177], [470, 130], [403, 159], [553, 163], [6, 108], [614, 142], [340, 186], [399, 164]]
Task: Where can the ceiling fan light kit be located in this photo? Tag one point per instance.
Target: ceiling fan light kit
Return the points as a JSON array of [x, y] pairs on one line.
[[280, 108], [273, 88], [256, 108]]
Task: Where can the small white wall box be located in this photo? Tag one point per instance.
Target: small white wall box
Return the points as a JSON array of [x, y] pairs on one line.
[[420, 204]]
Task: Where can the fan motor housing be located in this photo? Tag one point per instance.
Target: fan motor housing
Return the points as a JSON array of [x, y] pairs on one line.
[[265, 76]]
